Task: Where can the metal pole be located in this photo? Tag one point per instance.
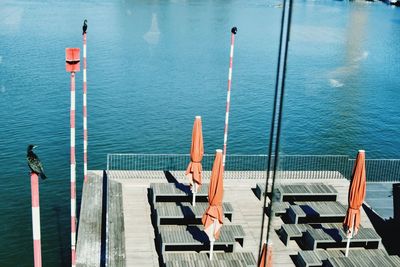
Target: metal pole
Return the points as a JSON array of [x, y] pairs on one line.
[[73, 172], [36, 220], [212, 240], [349, 237], [194, 191], [85, 132], [228, 97]]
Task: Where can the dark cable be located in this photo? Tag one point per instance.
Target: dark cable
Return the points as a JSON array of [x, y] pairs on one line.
[[279, 126], [272, 131]]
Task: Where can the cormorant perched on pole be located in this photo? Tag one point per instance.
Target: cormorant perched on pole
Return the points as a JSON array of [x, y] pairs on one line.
[[34, 163], [84, 27]]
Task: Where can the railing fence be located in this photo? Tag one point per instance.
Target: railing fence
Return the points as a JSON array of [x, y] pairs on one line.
[[255, 166]]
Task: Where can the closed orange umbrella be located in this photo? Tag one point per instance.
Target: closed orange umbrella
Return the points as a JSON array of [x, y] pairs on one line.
[[194, 169], [356, 198], [213, 216], [266, 254]]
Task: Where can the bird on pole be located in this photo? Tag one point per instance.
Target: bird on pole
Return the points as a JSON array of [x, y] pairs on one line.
[[34, 162], [84, 27]]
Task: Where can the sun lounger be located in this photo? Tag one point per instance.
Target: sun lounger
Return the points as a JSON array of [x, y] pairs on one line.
[[246, 258], [205, 263], [292, 231], [301, 192], [176, 192], [185, 213], [317, 212], [336, 237], [362, 261], [307, 258], [192, 237], [278, 208], [296, 231]]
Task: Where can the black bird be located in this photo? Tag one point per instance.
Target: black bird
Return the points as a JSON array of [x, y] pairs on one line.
[[84, 27], [34, 162], [234, 30]]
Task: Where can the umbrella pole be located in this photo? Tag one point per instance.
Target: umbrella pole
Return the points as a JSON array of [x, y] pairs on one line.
[[212, 239], [350, 237], [347, 246], [211, 250], [194, 191]]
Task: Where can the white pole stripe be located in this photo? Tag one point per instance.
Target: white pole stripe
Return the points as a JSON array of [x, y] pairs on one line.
[[84, 75], [85, 171], [231, 50], [73, 207], [84, 145], [227, 119], [84, 122], [228, 96], [72, 100], [36, 223], [230, 74], [84, 50], [73, 238], [73, 178], [72, 137]]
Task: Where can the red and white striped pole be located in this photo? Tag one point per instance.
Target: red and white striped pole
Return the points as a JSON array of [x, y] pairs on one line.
[[73, 172], [72, 65], [228, 97], [37, 251], [85, 132]]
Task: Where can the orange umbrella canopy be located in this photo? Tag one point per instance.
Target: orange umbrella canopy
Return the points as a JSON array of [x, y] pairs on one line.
[[194, 168], [356, 194], [266, 254], [214, 211]]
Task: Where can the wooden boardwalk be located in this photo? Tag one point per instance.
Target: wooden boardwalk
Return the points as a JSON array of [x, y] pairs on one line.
[[88, 251], [139, 242]]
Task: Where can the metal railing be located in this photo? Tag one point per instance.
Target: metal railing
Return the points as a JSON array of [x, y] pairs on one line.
[[179, 162], [255, 166], [380, 170]]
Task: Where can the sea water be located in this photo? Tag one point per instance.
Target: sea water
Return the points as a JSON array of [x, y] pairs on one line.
[[154, 65]]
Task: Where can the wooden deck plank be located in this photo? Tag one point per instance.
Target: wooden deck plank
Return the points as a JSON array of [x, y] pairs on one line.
[[139, 232], [115, 226], [88, 246], [317, 212], [300, 192], [185, 213]]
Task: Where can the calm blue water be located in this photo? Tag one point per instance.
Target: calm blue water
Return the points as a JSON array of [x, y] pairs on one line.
[[154, 65]]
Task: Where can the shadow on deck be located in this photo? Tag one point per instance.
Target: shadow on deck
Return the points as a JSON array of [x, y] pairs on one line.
[[387, 229]]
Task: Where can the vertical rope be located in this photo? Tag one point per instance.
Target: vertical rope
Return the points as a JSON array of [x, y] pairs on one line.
[[272, 131], [279, 124], [85, 132], [278, 118], [37, 253], [73, 172], [228, 96]]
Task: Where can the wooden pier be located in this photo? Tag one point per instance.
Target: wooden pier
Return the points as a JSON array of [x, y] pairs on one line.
[[126, 237]]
